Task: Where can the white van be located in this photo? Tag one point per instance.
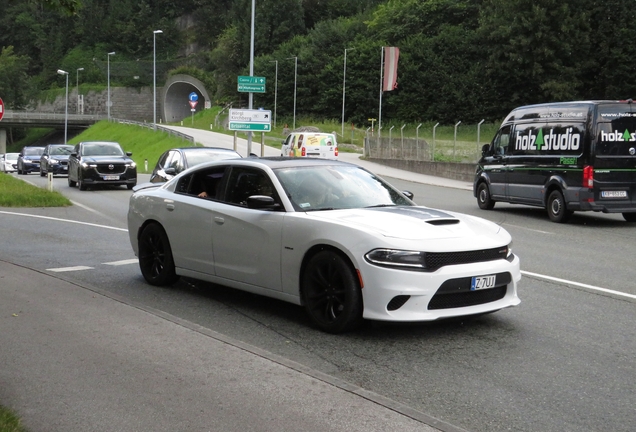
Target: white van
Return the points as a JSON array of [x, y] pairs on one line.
[[310, 144]]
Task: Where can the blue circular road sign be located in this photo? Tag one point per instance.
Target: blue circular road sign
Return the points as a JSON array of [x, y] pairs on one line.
[[193, 97]]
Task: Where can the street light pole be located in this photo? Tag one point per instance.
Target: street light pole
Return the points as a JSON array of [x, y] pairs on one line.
[[108, 63], [154, 78], [77, 85], [344, 80], [295, 76], [275, 89], [61, 72]]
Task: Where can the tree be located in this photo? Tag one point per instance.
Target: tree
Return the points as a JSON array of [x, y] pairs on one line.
[[14, 81]]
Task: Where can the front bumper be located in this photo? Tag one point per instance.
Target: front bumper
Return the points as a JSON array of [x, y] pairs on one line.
[[409, 296]]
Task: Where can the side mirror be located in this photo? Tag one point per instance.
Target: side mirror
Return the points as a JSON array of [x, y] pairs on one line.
[[170, 171], [261, 202], [129, 154], [484, 149], [408, 194]]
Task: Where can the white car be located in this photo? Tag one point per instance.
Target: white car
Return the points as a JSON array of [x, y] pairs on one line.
[[310, 144], [327, 235], [9, 162]]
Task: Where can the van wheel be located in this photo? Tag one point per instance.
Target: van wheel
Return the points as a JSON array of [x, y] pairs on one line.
[[557, 209], [630, 217], [484, 200]]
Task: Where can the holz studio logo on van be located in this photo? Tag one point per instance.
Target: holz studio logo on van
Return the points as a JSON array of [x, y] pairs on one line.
[[548, 142], [617, 136]]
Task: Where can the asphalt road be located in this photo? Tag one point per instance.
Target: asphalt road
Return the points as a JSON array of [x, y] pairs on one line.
[[561, 361]]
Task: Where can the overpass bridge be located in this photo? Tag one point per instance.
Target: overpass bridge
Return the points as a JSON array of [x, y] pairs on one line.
[[13, 118]]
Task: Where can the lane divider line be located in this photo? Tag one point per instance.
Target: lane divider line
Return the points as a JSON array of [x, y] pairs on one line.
[[64, 220], [122, 262], [69, 269], [577, 284]]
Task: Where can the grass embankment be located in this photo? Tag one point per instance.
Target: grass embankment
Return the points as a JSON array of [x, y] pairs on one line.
[[17, 193], [9, 422]]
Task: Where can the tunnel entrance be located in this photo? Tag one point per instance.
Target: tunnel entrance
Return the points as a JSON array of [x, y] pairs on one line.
[[176, 104]]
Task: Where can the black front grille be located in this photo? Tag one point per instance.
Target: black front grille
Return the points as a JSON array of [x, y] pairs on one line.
[[456, 293], [105, 169], [436, 260], [469, 298]]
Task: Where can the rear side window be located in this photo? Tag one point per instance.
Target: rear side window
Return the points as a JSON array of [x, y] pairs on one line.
[[617, 137]]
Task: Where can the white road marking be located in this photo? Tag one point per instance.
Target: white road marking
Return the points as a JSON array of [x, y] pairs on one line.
[[577, 284], [69, 269], [64, 220], [122, 262], [84, 207], [526, 228]]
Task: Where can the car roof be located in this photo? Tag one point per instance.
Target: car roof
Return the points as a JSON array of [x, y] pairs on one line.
[[217, 149], [288, 162]]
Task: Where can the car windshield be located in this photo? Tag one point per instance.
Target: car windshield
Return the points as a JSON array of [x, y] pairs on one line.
[[102, 149], [61, 150], [33, 151], [11, 156], [197, 157], [330, 187]]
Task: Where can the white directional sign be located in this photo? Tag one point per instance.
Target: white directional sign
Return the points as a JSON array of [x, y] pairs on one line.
[[250, 120]]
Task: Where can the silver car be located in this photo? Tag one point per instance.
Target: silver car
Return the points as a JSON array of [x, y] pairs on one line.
[[327, 235]]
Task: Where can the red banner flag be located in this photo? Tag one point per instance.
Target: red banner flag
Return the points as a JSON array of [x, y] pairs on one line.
[[391, 55]]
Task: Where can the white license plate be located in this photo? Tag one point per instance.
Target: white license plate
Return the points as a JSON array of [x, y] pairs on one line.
[[482, 282], [613, 194], [111, 177]]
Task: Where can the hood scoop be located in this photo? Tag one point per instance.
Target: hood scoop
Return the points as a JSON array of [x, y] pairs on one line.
[[440, 222]]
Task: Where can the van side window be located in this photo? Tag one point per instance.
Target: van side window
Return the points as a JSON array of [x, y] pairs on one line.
[[501, 142]]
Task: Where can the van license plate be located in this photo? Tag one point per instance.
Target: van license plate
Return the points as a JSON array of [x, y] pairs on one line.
[[483, 282], [613, 194], [111, 177]]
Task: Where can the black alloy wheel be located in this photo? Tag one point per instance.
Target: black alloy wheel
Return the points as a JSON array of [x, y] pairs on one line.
[[331, 292], [484, 201], [155, 256], [557, 210], [80, 182]]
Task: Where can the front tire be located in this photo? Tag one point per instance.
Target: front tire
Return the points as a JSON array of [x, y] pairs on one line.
[[629, 217], [331, 293], [557, 210], [484, 200], [80, 183], [155, 256]]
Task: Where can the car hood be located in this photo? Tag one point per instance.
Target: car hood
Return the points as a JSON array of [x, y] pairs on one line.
[[60, 158], [31, 158], [106, 159], [412, 223]]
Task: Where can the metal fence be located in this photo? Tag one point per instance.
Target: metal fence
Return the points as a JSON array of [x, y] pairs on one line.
[[421, 149]]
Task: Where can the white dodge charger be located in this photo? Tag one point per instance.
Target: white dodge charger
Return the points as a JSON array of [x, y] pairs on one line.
[[327, 235]]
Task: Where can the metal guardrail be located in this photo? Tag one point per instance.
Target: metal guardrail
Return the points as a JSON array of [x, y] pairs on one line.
[[161, 128], [34, 115]]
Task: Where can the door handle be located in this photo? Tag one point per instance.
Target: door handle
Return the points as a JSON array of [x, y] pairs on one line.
[[169, 204], [219, 220]]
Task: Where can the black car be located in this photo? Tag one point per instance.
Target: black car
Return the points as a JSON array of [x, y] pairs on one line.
[[173, 161], [29, 159], [101, 163], [54, 159]]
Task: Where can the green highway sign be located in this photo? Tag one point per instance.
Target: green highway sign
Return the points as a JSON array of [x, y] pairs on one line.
[[251, 84], [259, 127], [251, 80], [251, 88]]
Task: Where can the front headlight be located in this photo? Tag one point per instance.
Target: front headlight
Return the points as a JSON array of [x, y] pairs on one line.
[[54, 161], [402, 259], [509, 255], [132, 165], [87, 165]]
